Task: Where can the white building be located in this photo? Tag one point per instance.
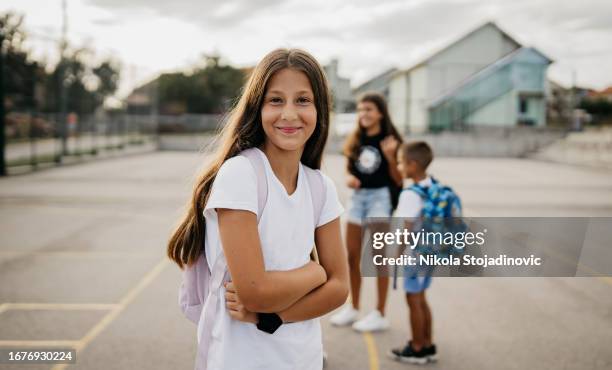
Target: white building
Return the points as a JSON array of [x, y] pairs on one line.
[[340, 87], [379, 84], [485, 78]]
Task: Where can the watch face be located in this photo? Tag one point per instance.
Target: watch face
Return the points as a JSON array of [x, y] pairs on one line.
[[268, 322], [369, 160]]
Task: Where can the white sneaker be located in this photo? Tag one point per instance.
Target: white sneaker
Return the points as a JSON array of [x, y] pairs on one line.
[[347, 315], [374, 321]]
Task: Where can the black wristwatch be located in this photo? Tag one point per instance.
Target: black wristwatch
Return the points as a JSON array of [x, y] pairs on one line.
[[268, 322]]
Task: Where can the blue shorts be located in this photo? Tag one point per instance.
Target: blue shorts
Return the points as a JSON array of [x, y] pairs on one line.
[[416, 284], [369, 203]]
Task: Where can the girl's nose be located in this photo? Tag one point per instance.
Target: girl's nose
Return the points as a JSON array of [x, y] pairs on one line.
[[289, 113]]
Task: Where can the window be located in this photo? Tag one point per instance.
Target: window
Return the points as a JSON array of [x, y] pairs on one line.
[[523, 105]]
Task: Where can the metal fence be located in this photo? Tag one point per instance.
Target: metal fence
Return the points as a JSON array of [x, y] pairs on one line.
[[35, 140]]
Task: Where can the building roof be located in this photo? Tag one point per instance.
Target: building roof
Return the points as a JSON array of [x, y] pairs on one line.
[[386, 73], [394, 71], [523, 52], [451, 44], [605, 92]]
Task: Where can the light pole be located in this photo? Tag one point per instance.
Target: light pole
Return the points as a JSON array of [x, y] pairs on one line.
[[62, 89], [2, 112]]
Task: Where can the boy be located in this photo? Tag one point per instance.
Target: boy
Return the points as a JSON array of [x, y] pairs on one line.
[[412, 162]]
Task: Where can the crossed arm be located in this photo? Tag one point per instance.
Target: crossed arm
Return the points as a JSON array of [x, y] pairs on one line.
[[295, 295]]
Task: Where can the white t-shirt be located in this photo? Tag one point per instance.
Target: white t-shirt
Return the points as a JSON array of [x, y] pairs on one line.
[[410, 203], [286, 230]]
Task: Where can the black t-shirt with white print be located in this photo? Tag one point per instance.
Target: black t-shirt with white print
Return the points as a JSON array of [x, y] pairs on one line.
[[371, 166]]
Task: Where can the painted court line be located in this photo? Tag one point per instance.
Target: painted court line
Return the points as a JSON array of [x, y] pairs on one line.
[[38, 343], [112, 315], [56, 306], [372, 351], [50, 307], [135, 255]]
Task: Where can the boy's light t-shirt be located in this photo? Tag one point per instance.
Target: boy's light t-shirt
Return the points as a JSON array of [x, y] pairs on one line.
[[286, 230], [410, 203]]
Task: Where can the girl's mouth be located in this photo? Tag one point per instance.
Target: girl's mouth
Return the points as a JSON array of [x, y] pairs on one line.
[[289, 130]]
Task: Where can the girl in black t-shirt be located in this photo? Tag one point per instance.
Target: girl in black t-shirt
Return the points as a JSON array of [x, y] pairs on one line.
[[372, 171]]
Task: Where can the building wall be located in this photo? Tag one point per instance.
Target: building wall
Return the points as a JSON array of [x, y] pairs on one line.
[[536, 109], [398, 101], [486, 98], [342, 93], [411, 91], [340, 87], [499, 112], [469, 55], [529, 77], [378, 84], [418, 119]]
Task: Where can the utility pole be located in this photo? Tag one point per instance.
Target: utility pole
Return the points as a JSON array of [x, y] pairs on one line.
[[62, 89], [573, 124], [2, 112]]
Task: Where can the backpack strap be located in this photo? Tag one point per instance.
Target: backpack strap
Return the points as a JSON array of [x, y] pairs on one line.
[[318, 194], [313, 177], [262, 181], [219, 272], [420, 190], [318, 191]]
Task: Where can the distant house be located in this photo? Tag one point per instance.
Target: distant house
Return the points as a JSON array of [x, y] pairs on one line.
[[379, 84], [486, 78], [142, 100], [559, 103], [340, 87], [605, 94]]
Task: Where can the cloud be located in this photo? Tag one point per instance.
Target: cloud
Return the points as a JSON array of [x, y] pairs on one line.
[[206, 13], [367, 37]]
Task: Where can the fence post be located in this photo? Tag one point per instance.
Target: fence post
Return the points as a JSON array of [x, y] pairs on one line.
[[2, 112]]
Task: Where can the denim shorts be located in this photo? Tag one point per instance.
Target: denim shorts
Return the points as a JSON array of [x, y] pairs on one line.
[[416, 284], [369, 203]]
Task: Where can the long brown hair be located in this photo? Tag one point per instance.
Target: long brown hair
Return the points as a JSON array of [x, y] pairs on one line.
[[243, 129], [353, 141]]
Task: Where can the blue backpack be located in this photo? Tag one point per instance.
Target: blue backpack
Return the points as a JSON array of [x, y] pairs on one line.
[[442, 212], [439, 201]]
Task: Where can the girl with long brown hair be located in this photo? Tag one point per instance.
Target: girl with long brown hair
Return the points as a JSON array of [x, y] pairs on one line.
[[372, 174], [282, 115]]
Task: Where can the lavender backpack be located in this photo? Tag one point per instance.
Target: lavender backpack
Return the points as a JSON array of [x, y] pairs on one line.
[[200, 286]]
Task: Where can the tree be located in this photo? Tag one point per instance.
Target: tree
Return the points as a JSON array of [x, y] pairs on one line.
[[19, 71], [600, 108], [107, 74], [86, 87], [210, 88]]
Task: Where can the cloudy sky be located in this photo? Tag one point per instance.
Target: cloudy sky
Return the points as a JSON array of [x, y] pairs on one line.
[[150, 36]]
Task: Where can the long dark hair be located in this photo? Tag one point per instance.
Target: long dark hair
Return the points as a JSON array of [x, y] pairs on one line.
[[354, 140], [243, 129]]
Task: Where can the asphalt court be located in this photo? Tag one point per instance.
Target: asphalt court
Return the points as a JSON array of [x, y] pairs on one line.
[[82, 263]]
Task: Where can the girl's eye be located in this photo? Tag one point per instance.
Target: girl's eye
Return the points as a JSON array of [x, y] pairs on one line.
[[303, 100], [276, 100]]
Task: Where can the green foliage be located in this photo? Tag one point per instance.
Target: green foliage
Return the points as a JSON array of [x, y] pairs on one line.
[[209, 89], [598, 107], [29, 86], [19, 71], [78, 77]]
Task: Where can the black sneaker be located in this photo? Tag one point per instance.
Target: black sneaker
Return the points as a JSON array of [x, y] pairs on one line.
[[409, 355], [431, 353]]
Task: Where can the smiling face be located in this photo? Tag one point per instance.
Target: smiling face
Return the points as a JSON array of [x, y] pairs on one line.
[[288, 114], [369, 115]]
